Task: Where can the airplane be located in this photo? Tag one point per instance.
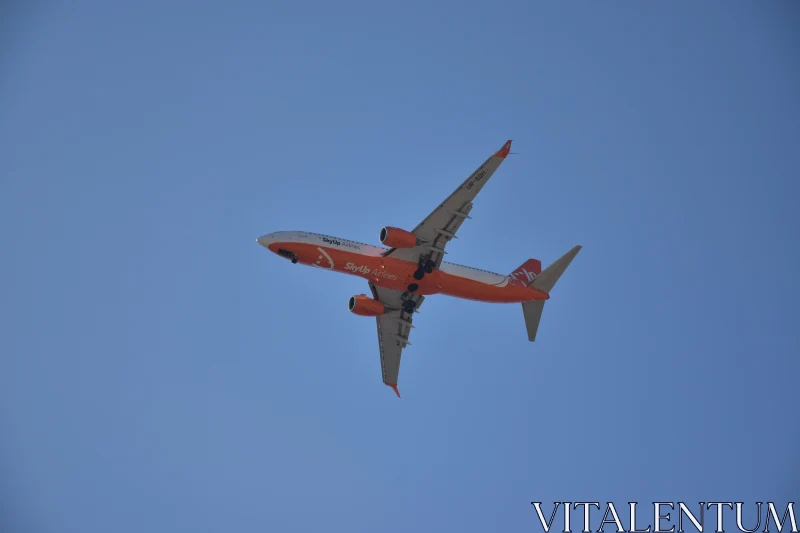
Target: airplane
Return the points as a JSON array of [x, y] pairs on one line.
[[401, 276]]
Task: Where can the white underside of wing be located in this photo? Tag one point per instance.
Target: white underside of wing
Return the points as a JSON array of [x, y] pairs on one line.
[[393, 330]]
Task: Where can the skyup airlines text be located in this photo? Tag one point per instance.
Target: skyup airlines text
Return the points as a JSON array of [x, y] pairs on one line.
[[667, 517], [369, 272]]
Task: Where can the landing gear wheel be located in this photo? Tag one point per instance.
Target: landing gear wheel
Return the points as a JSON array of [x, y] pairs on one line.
[[425, 267], [413, 287], [409, 306], [294, 261]]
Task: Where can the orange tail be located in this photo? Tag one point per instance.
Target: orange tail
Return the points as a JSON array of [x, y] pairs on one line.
[[527, 271]]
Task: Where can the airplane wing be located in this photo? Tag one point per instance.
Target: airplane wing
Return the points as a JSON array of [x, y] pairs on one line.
[[393, 330], [442, 224]]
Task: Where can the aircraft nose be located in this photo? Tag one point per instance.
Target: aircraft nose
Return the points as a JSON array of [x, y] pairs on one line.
[[265, 240]]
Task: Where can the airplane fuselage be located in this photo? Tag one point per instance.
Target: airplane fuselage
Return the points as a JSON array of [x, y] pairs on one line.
[[368, 262]]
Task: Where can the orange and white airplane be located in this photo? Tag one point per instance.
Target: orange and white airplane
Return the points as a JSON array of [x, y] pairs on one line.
[[412, 268]]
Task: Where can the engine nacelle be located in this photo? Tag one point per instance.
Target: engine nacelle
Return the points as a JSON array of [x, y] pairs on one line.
[[397, 238], [365, 306]]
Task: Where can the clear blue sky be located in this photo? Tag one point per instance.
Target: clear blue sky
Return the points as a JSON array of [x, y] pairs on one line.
[[160, 371]]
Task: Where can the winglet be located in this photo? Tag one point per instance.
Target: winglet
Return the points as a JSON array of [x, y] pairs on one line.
[[504, 151], [394, 387]]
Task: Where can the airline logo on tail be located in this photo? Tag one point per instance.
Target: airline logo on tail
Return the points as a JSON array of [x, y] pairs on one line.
[[524, 275], [527, 271]]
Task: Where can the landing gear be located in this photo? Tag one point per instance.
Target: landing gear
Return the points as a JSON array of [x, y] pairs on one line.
[[426, 266], [413, 287], [288, 254], [409, 306]]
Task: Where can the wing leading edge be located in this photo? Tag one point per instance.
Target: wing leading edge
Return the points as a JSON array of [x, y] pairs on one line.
[[441, 225]]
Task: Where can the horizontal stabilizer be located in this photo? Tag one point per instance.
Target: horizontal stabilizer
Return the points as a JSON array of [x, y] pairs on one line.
[[533, 314], [547, 279], [545, 282]]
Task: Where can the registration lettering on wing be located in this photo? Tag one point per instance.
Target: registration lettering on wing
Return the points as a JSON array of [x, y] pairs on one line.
[[477, 178]]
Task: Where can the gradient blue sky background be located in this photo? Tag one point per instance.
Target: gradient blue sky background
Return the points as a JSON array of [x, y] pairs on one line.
[[160, 371]]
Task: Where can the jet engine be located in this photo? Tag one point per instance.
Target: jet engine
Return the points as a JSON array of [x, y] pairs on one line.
[[365, 306], [397, 238]]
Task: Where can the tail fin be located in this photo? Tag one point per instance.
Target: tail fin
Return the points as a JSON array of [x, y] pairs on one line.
[[545, 281], [527, 271]]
